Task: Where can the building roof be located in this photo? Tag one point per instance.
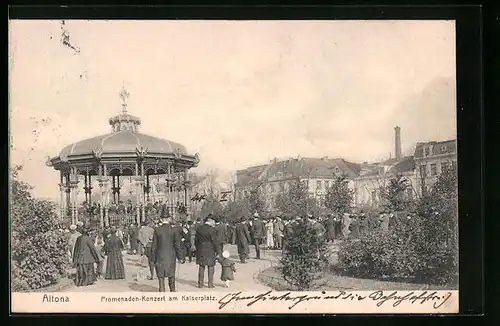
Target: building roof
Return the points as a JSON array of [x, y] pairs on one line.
[[121, 142], [437, 148], [407, 164], [294, 168]]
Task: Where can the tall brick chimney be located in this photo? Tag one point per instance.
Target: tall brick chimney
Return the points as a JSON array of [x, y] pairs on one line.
[[397, 142]]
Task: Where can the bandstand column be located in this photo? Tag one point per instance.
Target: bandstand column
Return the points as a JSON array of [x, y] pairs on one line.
[[90, 190], [186, 193], [168, 183], [106, 196], [143, 192], [101, 187], [119, 187], [139, 190], [68, 197], [62, 203], [171, 183], [74, 195]]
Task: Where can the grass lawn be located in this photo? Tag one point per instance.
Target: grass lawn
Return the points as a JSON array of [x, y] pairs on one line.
[[330, 281]]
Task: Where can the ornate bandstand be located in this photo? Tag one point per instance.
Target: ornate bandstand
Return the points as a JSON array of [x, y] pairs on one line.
[[125, 154]]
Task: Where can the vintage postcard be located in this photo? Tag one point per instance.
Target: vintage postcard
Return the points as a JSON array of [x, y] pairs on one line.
[[170, 166]]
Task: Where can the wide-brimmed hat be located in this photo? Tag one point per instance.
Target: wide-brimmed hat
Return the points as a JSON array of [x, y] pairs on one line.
[[225, 254], [256, 214], [72, 227]]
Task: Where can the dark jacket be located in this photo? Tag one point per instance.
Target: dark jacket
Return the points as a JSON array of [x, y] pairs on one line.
[[221, 231], [242, 237], [85, 252], [330, 229], [207, 246], [319, 229], [166, 247], [258, 229]]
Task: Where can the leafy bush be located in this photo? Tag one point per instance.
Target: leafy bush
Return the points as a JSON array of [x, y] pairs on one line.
[[304, 258], [38, 245], [423, 248]]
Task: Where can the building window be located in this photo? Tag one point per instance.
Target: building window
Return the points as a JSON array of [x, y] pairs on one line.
[[374, 196], [433, 169], [445, 166], [282, 186], [454, 165], [271, 187], [318, 185], [427, 151], [327, 184]]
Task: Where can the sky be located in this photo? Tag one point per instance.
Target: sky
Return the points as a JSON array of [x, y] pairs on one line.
[[239, 93]]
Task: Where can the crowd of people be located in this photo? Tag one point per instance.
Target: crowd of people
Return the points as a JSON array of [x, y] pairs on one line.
[[158, 208], [163, 242]]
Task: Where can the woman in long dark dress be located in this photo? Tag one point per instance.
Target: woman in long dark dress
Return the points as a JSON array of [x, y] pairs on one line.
[[84, 257], [115, 269]]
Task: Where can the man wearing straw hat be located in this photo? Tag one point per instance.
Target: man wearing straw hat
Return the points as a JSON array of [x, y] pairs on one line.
[[165, 248]]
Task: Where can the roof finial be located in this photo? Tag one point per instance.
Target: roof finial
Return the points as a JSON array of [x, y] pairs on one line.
[[124, 95]]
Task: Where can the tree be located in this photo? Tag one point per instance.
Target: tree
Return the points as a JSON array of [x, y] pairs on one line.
[[339, 197], [394, 194], [305, 257], [38, 245], [256, 202], [296, 201], [421, 246], [211, 205], [439, 232], [236, 209]]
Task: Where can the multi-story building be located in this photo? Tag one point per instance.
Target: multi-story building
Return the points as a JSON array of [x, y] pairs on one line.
[[373, 177], [274, 178], [365, 179], [431, 158]]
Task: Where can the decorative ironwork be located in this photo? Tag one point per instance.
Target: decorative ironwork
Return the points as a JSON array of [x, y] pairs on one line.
[[177, 153], [97, 153], [141, 152], [124, 95]]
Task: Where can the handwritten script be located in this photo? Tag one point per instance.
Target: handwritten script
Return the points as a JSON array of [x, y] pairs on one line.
[[378, 297]]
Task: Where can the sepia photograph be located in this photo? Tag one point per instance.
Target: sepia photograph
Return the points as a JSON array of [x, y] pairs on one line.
[[233, 166]]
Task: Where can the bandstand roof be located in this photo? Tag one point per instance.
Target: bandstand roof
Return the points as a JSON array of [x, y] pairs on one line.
[[121, 142], [125, 143]]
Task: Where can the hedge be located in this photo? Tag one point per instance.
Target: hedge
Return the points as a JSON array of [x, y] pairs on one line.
[[38, 245]]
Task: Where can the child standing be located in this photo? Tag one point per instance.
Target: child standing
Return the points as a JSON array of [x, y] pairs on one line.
[[228, 269]]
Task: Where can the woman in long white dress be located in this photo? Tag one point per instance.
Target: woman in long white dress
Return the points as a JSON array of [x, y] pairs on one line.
[[269, 235]]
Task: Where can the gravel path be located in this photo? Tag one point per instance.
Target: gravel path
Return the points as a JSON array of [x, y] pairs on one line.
[[187, 276]]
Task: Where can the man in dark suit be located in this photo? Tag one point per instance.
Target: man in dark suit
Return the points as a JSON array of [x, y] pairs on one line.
[[242, 239], [207, 249], [330, 228], [166, 247], [221, 231], [258, 231], [318, 228]]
